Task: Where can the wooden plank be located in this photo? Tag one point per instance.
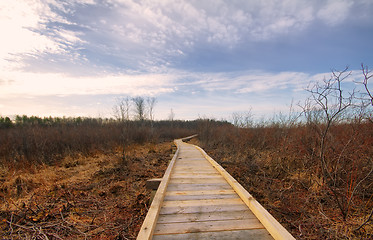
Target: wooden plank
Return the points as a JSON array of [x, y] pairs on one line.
[[187, 187], [200, 165], [194, 168], [203, 202], [185, 161], [189, 137], [261, 234], [219, 191], [191, 155], [195, 172], [193, 227], [198, 180], [199, 197], [192, 160], [202, 209], [271, 224], [189, 152], [209, 216], [189, 175]]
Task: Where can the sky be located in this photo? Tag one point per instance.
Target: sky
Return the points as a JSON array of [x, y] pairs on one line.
[[200, 58]]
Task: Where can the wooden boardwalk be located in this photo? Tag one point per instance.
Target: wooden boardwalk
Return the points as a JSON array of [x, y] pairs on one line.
[[198, 199]]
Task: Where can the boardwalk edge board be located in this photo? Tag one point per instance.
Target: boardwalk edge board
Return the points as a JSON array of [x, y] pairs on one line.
[[269, 222], [148, 226]]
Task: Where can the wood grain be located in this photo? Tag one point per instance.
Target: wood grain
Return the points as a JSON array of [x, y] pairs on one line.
[[208, 216], [261, 234], [209, 226]]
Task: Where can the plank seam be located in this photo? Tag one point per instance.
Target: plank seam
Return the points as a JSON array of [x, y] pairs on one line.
[[236, 229]]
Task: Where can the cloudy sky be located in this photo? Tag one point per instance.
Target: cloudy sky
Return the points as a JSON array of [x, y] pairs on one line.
[[205, 58]]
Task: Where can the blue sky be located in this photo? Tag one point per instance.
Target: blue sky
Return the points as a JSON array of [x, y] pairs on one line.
[[205, 58]]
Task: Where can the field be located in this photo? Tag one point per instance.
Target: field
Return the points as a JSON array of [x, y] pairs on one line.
[[85, 178], [79, 179], [96, 197]]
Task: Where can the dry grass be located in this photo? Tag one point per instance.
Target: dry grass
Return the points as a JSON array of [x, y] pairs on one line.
[[98, 197], [279, 167]]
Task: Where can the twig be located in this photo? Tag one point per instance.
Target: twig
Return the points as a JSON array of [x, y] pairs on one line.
[[93, 219], [10, 224], [63, 219], [371, 214], [20, 226], [55, 236], [85, 235], [42, 233]]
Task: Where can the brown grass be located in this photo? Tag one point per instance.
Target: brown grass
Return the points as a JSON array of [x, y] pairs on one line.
[[72, 182], [279, 166], [98, 197]]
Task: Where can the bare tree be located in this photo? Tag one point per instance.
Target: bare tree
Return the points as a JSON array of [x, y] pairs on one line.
[[122, 113], [328, 106], [331, 103], [151, 101], [139, 108], [243, 119], [122, 109]]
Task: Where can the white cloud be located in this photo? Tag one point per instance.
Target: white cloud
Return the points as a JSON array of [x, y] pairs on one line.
[[335, 11], [244, 82], [23, 24], [165, 23], [49, 84]]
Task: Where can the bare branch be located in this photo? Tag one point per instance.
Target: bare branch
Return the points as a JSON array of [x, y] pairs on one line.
[[139, 104], [367, 75]]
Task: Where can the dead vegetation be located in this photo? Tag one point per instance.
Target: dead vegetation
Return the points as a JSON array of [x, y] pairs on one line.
[[280, 167], [96, 197], [80, 178]]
